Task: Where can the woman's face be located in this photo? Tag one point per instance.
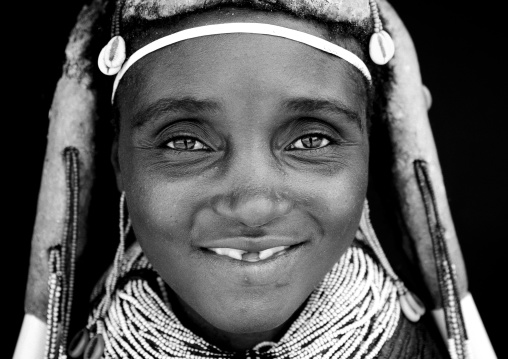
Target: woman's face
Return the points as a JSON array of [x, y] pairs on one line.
[[233, 148]]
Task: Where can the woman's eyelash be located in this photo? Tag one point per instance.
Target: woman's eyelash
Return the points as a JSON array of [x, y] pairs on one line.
[[308, 142], [312, 141], [186, 143]]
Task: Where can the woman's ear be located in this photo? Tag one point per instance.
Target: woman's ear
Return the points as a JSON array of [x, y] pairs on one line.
[[116, 164]]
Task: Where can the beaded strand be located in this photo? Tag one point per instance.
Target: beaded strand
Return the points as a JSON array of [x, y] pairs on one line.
[[72, 174], [118, 263], [113, 55], [381, 45], [411, 306], [115, 23], [447, 277], [55, 292], [374, 10], [62, 264]]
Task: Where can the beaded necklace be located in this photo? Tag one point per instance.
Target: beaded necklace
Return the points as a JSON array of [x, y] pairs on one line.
[[351, 314]]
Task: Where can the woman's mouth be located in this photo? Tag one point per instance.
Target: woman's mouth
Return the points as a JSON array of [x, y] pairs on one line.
[[247, 256], [251, 249], [254, 261]]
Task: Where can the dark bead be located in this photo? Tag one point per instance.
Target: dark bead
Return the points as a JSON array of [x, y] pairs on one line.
[[78, 343], [95, 347]]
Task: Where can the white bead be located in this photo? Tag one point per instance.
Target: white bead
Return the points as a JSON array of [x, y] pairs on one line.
[[381, 47], [112, 56]]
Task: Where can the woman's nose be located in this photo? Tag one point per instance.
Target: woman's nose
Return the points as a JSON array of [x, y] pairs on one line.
[[253, 210]]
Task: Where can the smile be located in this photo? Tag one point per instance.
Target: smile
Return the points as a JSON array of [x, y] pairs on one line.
[[246, 256], [248, 262]]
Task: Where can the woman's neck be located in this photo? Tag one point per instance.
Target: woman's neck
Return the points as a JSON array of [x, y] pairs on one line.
[[224, 340]]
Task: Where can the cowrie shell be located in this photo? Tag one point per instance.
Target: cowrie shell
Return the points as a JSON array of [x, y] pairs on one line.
[[112, 56], [79, 343], [115, 49], [95, 347], [381, 47], [411, 306]]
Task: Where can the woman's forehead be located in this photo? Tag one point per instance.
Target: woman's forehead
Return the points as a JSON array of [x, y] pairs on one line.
[[261, 72], [211, 66]]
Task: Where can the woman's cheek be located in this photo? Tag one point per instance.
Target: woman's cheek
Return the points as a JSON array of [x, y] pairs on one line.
[[155, 209], [343, 197]]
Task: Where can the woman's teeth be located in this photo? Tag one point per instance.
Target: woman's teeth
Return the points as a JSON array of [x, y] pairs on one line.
[[240, 255], [267, 253], [230, 252]]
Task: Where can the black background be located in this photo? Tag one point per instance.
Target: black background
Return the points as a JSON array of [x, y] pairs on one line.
[[459, 48]]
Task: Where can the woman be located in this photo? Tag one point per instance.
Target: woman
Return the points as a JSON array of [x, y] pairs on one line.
[[245, 170]]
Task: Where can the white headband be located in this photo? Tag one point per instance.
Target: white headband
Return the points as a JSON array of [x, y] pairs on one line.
[[230, 28]]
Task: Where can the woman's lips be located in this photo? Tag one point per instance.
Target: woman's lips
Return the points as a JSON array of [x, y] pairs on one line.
[[250, 249], [275, 266], [246, 256], [248, 244]]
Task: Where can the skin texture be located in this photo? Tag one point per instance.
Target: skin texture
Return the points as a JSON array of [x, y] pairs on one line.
[[248, 104]]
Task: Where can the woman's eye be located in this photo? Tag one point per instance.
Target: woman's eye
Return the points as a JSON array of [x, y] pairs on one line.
[[309, 142], [186, 144]]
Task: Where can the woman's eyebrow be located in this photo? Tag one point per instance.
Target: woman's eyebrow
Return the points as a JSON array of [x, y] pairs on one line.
[[174, 105], [333, 107]]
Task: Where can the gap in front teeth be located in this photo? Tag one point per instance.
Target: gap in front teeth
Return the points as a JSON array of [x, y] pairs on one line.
[[241, 255]]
